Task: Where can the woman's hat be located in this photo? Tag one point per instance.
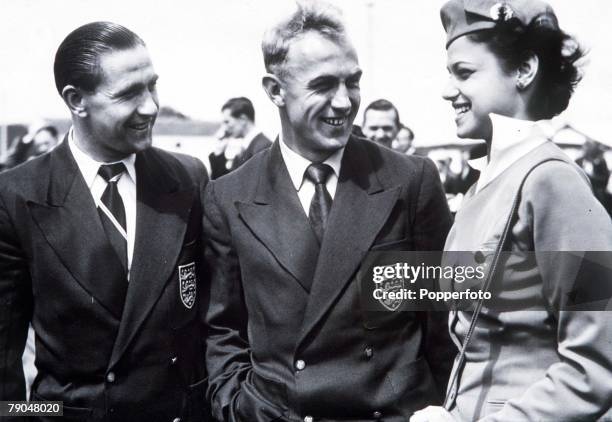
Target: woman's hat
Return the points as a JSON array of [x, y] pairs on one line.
[[461, 17]]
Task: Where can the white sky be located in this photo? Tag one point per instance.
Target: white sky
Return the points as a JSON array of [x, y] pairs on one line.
[[208, 51]]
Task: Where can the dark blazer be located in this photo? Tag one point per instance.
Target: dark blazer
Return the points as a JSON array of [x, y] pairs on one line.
[[142, 362], [217, 162], [288, 337]]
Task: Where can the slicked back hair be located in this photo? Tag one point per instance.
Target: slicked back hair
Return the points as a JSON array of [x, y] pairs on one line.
[[240, 106], [317, 16], [77, 61]]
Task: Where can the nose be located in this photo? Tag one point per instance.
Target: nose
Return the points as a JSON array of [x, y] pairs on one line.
[[380, 134], [450, 91], [149, 105], [341, 101]]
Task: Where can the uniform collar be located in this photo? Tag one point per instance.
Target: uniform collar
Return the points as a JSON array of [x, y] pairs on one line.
[[512, 139]]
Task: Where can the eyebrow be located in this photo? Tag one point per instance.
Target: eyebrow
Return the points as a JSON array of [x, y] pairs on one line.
[[135, 87], [456, 64], [326, 78]]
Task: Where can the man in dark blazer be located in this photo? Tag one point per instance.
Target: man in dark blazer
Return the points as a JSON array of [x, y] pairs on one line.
[[288, 337], [107, 268], [240, 138]]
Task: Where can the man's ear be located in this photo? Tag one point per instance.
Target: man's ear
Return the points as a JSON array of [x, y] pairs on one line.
[[527, 71], [273, 87], [74, 100]]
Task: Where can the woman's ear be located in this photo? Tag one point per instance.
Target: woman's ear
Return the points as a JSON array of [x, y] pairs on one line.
[[527, 71]]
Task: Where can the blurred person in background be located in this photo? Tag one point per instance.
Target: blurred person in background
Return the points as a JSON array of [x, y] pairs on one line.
[[41, 138], [239, 138], [542, 357], [594, 165], [381, 122], [403, 142]]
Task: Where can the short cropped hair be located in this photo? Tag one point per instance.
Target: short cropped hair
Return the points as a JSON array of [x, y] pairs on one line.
[[310, 16], [77, 60], [383, 105], [240, 106]]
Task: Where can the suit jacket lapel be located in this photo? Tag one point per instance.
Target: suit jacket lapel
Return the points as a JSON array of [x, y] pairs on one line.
[[162, 213], [360, 208], [71, 225], [278, 220]]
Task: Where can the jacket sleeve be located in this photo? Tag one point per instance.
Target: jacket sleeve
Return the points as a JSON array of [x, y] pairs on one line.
[[227, 355], [565, 216], [15, 308], [431, 226]]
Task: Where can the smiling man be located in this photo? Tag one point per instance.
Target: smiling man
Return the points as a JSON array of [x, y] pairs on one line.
[[288, 339], [381, 122], [100, 249]]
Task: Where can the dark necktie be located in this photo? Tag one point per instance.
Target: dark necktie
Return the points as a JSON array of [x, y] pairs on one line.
[[321, 200], [111, 199]]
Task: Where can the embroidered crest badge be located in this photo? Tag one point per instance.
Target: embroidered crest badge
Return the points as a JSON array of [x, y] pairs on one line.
[[501, 12], [394, 285], [187, 284]]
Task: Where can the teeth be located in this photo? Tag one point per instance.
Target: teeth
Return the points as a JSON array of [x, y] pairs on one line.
[[334, 122], [462, 109]]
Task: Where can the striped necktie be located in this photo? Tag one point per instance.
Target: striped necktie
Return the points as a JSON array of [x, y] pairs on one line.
[[112, 211]]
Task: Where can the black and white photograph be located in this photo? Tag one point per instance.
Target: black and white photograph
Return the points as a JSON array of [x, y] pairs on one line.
[[306, 210]]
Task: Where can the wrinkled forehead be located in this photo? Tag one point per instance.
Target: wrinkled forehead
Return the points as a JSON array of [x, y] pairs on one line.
[[315, 52]]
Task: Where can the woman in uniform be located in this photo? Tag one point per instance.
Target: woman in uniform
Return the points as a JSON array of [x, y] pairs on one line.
[[543, 355]]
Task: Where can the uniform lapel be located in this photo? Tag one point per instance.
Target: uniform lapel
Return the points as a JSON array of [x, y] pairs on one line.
[[360, 208], [71, 225], [162, 213], [277, 219]]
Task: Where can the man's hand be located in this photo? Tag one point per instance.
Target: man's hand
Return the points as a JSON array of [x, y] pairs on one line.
[[432, 414]]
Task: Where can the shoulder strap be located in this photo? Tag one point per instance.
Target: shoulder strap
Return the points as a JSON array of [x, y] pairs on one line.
[[501, 246]]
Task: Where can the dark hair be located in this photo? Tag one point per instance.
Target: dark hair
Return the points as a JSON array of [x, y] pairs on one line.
[[383, 105], [78, 57], [410, 131], [557, 52], [240, 106]]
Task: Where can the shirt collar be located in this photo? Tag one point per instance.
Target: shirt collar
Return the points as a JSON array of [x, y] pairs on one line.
[[89, 167], [512, 139], [297, 165]]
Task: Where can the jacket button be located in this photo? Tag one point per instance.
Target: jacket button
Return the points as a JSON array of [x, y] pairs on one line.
[[176, 420], [308, 419], [377, 415], [368, 352], [110, 377], [300, 365]]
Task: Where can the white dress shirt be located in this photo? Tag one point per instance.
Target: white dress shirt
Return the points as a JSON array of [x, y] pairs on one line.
[[96, 184], [512, 139], [297, 165]]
